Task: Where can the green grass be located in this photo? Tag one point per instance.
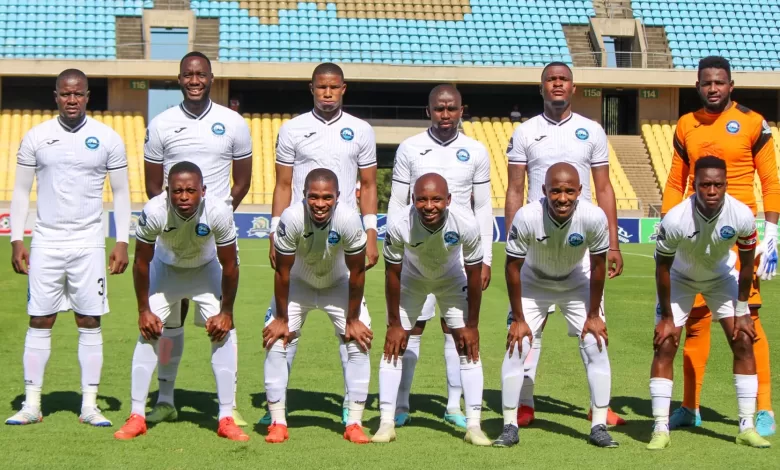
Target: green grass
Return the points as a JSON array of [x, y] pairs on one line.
[[556, 440]]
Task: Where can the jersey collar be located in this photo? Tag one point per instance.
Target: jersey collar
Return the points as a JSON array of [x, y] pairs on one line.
[[174, 219], [327, 123], [440, 142], [707, 220], [75, 128], [195, 116], [556, 123]]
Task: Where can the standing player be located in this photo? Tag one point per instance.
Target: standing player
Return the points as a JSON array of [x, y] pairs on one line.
[[432, 247], [743, 139], [215, 138], [545, 251], [70, 157], [320, 264], [327, 137], [465, 164], [185, 248], [692, 256], [559, 135]]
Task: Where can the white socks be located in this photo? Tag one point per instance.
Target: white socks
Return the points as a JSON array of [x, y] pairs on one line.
[[390, 373], [91, 361], [224, 363], [511, 381], [410, 358], [37, 349], [452, 364], [358, 375], [599, 377], [473, 381], [661, 397], [277, 375], [144, 363], [344, 356], [747, 390], [170, 348], [529, 379]]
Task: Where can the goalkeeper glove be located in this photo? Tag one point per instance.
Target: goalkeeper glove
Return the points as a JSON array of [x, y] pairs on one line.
[[767, 267]]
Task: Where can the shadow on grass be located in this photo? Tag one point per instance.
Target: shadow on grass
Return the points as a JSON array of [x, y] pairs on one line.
[[55, 402]]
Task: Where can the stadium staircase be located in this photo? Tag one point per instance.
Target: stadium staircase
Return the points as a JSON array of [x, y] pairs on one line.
[[129, 38], [659, 56], [635, 160], [580, 46], [207, 36], [171, 5], [620, 9]]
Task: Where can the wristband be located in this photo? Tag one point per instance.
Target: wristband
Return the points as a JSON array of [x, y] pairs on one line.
[[741, 309], [275, 223], [369, 222], [770, 230]]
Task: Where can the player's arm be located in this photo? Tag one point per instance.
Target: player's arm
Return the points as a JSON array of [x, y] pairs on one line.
[[356, 330], [146, 233], [674, 191], [516, 251], [226, 240], [120, 187], [665, 249], [605, 198], [747, 240], [467, 339], [483, 210], [281, 200], [366, 162], [516, 156], [395, 338], [594, 324], [766, 166], [242, 163], [153, 161], [399, 190], [20, 203]]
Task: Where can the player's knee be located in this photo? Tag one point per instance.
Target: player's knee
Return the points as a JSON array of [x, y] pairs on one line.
[[666, 352], [45, 322], [418, 328], [742, 347], [86, 321]]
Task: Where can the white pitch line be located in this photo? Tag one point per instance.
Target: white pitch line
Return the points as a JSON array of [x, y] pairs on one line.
[[638, 254]]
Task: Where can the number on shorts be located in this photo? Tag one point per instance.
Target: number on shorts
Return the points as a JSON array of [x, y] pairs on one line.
[[102, 283]]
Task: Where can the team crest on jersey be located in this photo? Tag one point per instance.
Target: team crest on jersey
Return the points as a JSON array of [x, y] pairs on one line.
[[92, 143], [463, 155], [347, 134], [202, 230], [732, 127], [575, 239], [142, 219], [218, 128], [333, 237], [451, 238], [281, 230], [727, 232], [582, 133]]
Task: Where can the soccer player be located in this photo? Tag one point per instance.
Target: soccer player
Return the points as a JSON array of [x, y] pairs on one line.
[[320, 264], [185, 248], [216, 139], [432, 247], [559, 135], [70, 157], [546, 246], [327, 137], [743, 139], [465, 164], [692, 256]]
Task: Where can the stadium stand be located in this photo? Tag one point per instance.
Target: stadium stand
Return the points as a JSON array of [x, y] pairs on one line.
[[743, 32]]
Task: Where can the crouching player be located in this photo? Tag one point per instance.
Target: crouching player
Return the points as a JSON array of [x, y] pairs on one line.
[[545, 250], [692, 255], [432, 248], [182, 238]]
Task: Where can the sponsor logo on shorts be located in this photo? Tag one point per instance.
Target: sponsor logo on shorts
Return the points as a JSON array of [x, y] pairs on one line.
[[732, 127], [333, 237], [463, 155], [268, 314], [575, 239], [202, 230], [582, 133], [347, 134], [218, 128], [92, 143], [451, 238], [727, 232]]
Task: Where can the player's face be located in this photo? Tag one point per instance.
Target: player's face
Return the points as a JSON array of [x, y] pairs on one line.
[[431, 204], [195, 79], [558, 86], [185, 191], [445, 111], [562, 192], [710, 188], [328, 91], [321, 196], [714, 89], [72, 97]]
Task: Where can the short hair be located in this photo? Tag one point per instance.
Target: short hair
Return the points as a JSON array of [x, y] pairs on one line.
[[71, 73], [321, 174], [327, 68], [442, 88], [185, 167], [197, 54], [709, 161], [556, 64], [714, 62]]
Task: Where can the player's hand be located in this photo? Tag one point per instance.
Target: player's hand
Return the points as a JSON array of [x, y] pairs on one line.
[[485, 276], [272, 251], [395, 342], [358, 332], [20, 257], [596, 326], [372, 252], [150, 325], [614, 263], [276, 330], [219, 326], [744, 324], [467, 340], [518, 331], [664, 330], [118, 260], [767, 249]]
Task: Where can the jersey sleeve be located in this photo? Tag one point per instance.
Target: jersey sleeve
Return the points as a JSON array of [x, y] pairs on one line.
[[667, 240], [223, 227], [25, 156], [598, 238], [393, 250], [242, 141], [288, 233], [747, 235], [600, 152], [150, 224], [517, 240], [678, 175], [353, 236], [515, 151], [766, 166], [401, 167], [117, 155], [285, 146], [472, 244], [153, 144], [367, 156]]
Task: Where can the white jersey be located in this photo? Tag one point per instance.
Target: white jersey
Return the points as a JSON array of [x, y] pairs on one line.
[[319, 251], [541, 142], [553, 250], [186, 243], [71, 165], [212, 141], [701, 247], [431, 255], [343, 144]]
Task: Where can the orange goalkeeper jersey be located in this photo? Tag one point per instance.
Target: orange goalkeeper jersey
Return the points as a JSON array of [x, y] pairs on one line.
[[739, 136]]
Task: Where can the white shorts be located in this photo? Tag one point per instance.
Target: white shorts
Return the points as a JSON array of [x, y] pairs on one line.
[[719, 294], [169, 285], [449, 292], [428, 309], [62, 279], [303, 298]]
